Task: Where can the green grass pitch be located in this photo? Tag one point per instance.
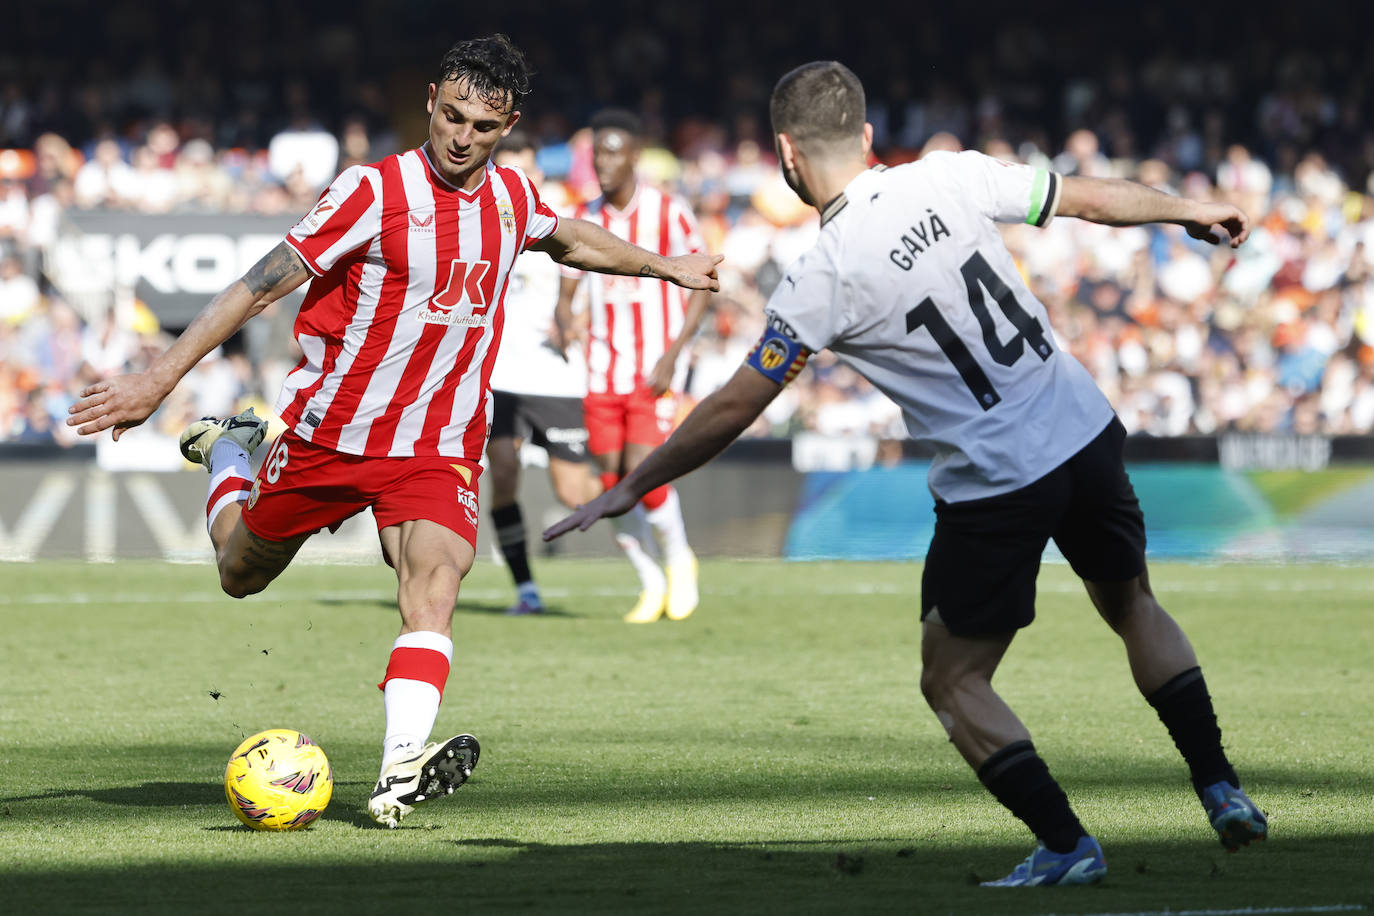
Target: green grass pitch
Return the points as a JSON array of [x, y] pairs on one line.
[[769, 755]]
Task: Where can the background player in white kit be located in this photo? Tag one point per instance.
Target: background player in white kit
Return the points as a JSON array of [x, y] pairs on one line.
[[911, 285], [537, 389], [636, 332]]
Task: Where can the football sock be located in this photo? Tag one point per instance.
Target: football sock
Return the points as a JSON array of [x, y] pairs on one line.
[[628, 535], [666, 519], [1185, 708], [510, 533], [411, 691], [231, 478], [1020, 780]]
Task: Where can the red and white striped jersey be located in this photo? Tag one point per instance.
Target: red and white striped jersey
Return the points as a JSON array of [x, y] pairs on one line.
[[635, 319], [400, 328]]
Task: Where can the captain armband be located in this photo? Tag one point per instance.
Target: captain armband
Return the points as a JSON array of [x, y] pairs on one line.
[[777, 356]]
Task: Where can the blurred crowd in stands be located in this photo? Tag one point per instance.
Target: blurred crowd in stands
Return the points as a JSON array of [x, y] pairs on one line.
[[1275, 337]]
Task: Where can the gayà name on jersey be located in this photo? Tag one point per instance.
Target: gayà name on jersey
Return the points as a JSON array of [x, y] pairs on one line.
[[920, 235]]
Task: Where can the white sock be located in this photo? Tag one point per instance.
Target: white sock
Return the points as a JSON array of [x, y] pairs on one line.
[[411, 706], [668, 528], [629, 537], [231, 478]]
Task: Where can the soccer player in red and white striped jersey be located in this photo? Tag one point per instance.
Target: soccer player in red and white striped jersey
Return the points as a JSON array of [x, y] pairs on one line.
[[638, 327], [389, 407]]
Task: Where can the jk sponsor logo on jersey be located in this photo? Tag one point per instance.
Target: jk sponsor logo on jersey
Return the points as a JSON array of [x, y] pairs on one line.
[[463, 303]]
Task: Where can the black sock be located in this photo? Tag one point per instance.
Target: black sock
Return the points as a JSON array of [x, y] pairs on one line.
[[1019, 779], [1185, 708], [510, 534]]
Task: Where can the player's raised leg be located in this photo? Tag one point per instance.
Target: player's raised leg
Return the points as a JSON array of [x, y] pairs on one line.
[[1167, 673], [430, 562], [247, 563]]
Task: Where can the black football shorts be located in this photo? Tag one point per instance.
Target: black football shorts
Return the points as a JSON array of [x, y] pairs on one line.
[[983, 560], [553, 424]]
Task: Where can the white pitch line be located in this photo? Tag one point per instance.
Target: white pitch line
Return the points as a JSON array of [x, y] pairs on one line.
[[774, 587], [1242, 911]]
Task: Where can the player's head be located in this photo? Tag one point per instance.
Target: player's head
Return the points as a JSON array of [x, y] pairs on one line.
[[617, 137], [475, 102], [818, 113], [518, 149]]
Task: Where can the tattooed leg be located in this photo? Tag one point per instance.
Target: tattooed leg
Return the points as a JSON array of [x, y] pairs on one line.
[[247, 563]]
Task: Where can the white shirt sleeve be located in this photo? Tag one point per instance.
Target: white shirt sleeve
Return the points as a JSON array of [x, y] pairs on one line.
[[806, 304], [1003, 191]]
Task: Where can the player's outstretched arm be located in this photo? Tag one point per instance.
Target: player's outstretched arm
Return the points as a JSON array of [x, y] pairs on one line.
[[127, 400], [714, 424], [1127, 203], [578, 243]]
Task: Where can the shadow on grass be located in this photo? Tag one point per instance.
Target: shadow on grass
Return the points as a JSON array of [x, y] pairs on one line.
[[815, 875], [512, 789], [463, 607]]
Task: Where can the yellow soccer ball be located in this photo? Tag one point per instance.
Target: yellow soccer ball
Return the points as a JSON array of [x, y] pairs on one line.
[[278, 780]]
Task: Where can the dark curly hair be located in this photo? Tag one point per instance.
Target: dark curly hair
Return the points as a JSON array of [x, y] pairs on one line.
[[494, 69], [618, 119]]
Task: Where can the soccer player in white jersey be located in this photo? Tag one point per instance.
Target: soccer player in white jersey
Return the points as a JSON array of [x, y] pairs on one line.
[[388, 408], [636, 332], [536, 393], [911, 285]]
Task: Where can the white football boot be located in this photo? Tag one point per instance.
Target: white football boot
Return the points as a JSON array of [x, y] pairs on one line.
[[247, 429], [433, 773]]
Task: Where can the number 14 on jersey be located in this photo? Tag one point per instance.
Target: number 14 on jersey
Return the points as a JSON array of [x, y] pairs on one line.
[[979, 275]]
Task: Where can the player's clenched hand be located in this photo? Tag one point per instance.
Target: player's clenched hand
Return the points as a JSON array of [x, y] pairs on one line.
[[615, 501], [695, 271], [118, 403], [1215, 223], [661, 377]]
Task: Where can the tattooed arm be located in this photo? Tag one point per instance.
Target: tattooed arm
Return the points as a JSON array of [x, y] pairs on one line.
[[578, 243], [128, 400]]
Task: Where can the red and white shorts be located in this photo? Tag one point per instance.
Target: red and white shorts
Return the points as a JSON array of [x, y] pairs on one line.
[[302, 488], [616, 419]]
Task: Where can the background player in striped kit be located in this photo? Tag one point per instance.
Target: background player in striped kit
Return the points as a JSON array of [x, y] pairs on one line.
[[389, 406], [536, 394], [636, 333], [911, 285]]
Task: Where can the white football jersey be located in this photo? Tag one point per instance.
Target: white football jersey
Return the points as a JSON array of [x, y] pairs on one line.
[[911, 285], [527, 362]]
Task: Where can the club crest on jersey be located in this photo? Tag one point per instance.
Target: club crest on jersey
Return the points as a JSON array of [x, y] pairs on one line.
[[463, 302], [507, 215]]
